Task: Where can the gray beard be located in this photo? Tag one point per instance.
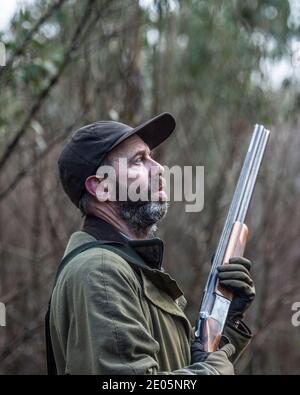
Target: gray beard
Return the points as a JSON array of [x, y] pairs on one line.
[[142, 216]]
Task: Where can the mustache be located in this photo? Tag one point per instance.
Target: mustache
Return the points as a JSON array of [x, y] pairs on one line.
[[156, 184], [161, 182]]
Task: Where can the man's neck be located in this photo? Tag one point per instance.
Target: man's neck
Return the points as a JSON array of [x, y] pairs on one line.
[[108, 214]]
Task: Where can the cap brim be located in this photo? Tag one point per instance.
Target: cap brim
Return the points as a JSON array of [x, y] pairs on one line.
[[152, 132]]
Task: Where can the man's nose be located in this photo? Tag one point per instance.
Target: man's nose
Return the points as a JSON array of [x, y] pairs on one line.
[[157, 168]]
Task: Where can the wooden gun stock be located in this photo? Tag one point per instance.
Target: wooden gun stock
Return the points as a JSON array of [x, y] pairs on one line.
[[212, 328], [236, 247]]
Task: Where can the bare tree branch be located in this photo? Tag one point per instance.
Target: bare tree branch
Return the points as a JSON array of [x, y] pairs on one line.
[[53, 81], [20, 50], [25, 171]]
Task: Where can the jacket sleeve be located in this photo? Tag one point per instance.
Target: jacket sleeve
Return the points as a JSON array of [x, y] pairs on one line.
[[238, 335], [109, 332]]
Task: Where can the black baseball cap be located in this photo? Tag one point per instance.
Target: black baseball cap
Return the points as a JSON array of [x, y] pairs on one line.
[[89, 145]]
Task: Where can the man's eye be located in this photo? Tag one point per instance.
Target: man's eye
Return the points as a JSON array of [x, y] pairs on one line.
[[138, 159]]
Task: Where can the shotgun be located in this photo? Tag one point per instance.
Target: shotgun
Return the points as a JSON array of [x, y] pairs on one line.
[[216, 300]]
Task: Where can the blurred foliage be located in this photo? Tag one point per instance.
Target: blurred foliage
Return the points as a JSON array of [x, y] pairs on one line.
[[214, 65]]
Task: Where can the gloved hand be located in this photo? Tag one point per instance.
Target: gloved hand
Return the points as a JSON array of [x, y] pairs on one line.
[[219, 360], [236, 278]]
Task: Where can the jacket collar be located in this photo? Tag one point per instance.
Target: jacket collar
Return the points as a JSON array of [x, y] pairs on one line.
[[150, 250]]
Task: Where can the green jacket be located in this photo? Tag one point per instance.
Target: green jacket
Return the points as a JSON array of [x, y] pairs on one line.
[[108, 317]]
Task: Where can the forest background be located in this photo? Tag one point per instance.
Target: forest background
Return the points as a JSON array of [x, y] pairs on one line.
[[219, 67]]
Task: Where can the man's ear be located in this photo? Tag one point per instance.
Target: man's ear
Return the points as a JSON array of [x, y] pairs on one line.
[[98, 187]]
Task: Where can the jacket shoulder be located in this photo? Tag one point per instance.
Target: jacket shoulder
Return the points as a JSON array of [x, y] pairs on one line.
[[100, 261]]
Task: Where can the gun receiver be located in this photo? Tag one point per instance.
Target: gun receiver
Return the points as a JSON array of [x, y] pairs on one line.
[[216, 300]]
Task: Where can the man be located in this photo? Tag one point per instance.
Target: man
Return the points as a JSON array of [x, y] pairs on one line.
[[114, 310]]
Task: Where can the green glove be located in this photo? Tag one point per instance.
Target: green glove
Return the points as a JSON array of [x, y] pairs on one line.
[[235, 277]]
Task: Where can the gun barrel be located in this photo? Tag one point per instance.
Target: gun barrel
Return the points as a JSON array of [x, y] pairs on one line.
[[245, 201], [237, 213]]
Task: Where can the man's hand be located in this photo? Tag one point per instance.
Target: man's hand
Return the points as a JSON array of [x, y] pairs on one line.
[[219, 360], [235, 277]]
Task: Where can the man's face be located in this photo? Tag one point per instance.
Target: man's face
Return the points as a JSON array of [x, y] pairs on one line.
[[136, 170], [139, 175]]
